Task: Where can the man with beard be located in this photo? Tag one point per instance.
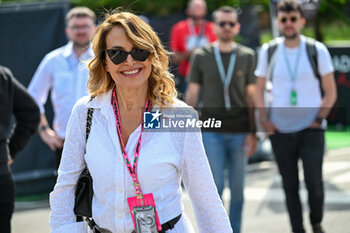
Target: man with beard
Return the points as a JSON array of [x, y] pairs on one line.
[[186, 35], [63, 72], [224, 73], [303, 92]]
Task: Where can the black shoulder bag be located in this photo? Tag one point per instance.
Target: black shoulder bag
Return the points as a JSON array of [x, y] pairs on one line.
[[84, 190]]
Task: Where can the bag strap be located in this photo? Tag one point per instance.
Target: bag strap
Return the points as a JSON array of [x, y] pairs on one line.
[[271, 50], [89, 115], [271, 59], [312, 54], [170, 224]]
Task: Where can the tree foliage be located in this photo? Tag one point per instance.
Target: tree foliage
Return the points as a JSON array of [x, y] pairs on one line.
[[334, 10], [329, 11], [160, 7]]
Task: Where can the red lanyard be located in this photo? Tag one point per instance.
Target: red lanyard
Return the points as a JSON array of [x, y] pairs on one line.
[[131, 168]]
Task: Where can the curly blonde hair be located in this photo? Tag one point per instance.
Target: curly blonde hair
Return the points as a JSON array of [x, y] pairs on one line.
[[161, 86]]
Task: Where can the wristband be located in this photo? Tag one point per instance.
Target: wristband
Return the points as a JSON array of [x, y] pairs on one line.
[[322, 122], [319, 120], [43, 127]]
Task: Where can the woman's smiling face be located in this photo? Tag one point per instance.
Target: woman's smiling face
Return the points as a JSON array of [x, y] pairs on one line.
[[129, 74]]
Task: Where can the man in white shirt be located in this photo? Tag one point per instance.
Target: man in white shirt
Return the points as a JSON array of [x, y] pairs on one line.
[[303, 93], [63, 72]]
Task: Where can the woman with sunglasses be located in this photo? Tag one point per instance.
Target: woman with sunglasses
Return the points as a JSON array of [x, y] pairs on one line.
[[133, 176]]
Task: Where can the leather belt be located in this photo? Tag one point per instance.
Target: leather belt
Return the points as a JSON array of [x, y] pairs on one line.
[[168, 225]]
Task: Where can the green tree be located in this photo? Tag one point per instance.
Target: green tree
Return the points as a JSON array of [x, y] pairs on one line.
[[331, 11]]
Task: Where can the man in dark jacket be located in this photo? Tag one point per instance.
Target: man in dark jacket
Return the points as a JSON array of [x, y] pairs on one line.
[[15, 100]]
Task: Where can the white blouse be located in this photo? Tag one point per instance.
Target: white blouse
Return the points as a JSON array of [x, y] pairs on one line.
[[165, 159]]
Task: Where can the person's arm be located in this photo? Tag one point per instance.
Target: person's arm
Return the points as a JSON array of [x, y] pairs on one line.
[[178, 57], [251, 140], [176, 38], [48, 135], [261, 73], [268, 126], [39, 88], [62, 217], [210, 214], [192, 93], [328, 100], [27, 116], [330, 94], [260, 98], [194, 79], [328, 85]]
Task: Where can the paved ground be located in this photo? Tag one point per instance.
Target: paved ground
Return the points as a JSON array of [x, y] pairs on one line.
[[264, 210]]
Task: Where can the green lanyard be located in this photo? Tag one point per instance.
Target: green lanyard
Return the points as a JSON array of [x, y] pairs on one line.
[[293, 92]]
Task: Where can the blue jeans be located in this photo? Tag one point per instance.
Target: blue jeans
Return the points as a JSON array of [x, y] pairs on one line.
[[225, 150]]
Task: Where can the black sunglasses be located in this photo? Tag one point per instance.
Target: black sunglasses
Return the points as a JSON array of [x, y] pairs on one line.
[[293, 19], [223, 24], [118, 56]]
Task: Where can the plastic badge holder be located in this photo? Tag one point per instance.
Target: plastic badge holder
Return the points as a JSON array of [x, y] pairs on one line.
[[145, 219], [148, 200]]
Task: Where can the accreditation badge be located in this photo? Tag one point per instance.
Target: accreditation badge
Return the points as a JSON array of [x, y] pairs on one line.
[[293, 98], [144, 214], [194, 41], [145, 219]]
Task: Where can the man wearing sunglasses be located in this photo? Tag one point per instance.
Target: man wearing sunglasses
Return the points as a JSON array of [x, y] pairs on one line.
[[63, 72], [224, 73], [303, 93]]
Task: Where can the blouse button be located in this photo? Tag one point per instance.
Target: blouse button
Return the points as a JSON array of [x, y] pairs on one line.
[[119, 215]]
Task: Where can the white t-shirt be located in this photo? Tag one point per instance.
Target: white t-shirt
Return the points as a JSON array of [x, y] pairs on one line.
[[286, 117]]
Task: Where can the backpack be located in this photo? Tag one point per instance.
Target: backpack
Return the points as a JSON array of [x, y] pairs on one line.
[[311, 53]]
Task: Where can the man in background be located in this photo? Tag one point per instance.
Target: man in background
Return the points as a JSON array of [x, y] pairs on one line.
[[63, 72], [300, 72], [187, 35], [224, 73]]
